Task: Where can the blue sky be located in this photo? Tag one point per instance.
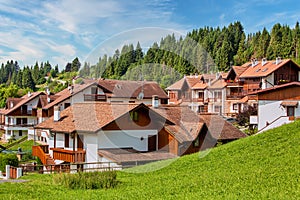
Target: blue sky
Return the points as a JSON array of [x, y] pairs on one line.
[[60, 30]]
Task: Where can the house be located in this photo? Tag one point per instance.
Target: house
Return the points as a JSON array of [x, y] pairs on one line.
[[126, 91], [103, 90], [124, 133], [191, 91], [19, 115], [277, 106], [265, 74]]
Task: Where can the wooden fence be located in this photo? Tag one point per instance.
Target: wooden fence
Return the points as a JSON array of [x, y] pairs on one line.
[[76, 167]]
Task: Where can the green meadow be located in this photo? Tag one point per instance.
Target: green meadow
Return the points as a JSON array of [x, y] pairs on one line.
[[265, 166]]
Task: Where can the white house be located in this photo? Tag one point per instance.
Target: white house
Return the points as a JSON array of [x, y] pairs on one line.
[[277, 106]]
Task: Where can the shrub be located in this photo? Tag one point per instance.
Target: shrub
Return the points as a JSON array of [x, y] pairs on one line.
[[88, 180], [8, 159]]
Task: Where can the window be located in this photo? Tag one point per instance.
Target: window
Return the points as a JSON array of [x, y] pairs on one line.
[[235, 106], [218, 94], [67, 105], [217, 109], [201, 109], [290, 110], [20, 133], [134, 116], [201, 95]]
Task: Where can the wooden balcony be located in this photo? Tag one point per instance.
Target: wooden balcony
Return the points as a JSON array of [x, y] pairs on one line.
[[68, 155], [235, 96], [94, 97], [198, 99]]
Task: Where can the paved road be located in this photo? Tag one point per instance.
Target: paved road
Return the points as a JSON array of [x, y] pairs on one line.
[[12, 181]]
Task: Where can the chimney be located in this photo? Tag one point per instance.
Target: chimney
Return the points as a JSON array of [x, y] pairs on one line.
[[47, 91], [56, 113], [254, 62], [278, 60], [29, 94], [70, 88], [263, 61], [155, 101]]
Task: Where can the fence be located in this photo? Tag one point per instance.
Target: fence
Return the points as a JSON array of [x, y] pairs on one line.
[[76, 167]]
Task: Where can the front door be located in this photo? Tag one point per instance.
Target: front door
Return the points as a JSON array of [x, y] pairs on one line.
[[151, 142]]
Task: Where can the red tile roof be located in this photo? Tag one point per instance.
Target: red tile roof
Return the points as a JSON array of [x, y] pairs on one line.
[[183, 123], [218, 84], [186, 123], [88, 117], [276, 87], [220, 128], [177, 85], [131, 89], [262, 71], [21, 101], [65, 94], [240, 69]]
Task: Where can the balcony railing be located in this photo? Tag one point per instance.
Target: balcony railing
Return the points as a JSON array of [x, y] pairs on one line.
[[94, 97], [198, 99], [41, 152], [235, 96], [68, 155]]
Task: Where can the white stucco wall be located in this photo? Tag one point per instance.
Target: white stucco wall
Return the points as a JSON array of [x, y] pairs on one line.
[[268, 81], [125, 139], [268, 111], [90, 144]]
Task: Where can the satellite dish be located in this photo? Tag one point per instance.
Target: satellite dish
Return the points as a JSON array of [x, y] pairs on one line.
[[140, 96]]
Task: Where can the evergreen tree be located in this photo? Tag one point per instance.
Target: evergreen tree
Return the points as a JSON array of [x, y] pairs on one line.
[[75, 66], [27, 80]]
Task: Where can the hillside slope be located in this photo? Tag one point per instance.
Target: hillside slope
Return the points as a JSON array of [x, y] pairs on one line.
[[265, 166]]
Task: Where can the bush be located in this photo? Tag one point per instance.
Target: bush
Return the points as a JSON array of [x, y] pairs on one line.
[[8, 159], [88, 180]]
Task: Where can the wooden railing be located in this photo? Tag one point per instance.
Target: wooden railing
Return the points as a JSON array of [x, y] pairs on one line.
[[235, 96], [68, 155], [39, 152], [94, 97], [198, 99]]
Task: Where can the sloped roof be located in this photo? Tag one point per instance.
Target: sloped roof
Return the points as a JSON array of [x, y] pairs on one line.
[[220, 128], [177, 85], [262, 71], [186, 123], [21, 101], [65, 94], [183, 123], [131, 89], [239, 69], [200, 85], [89, 117], [276, 87], [218, 84]]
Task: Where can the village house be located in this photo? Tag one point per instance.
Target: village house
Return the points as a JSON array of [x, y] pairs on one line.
[[19, 115], [277, 106], [123, 133], [114, 91], [229, 93]]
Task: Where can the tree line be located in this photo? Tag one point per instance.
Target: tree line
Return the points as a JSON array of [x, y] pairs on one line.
[[202, 50]]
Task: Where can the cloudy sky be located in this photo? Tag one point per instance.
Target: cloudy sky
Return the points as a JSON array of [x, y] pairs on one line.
[[60, 30]]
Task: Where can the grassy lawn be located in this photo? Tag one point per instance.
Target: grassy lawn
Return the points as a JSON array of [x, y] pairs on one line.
[[266, 166], [25, 146]]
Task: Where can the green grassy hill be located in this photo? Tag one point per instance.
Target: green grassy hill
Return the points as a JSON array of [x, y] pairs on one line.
[[265, 166]]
